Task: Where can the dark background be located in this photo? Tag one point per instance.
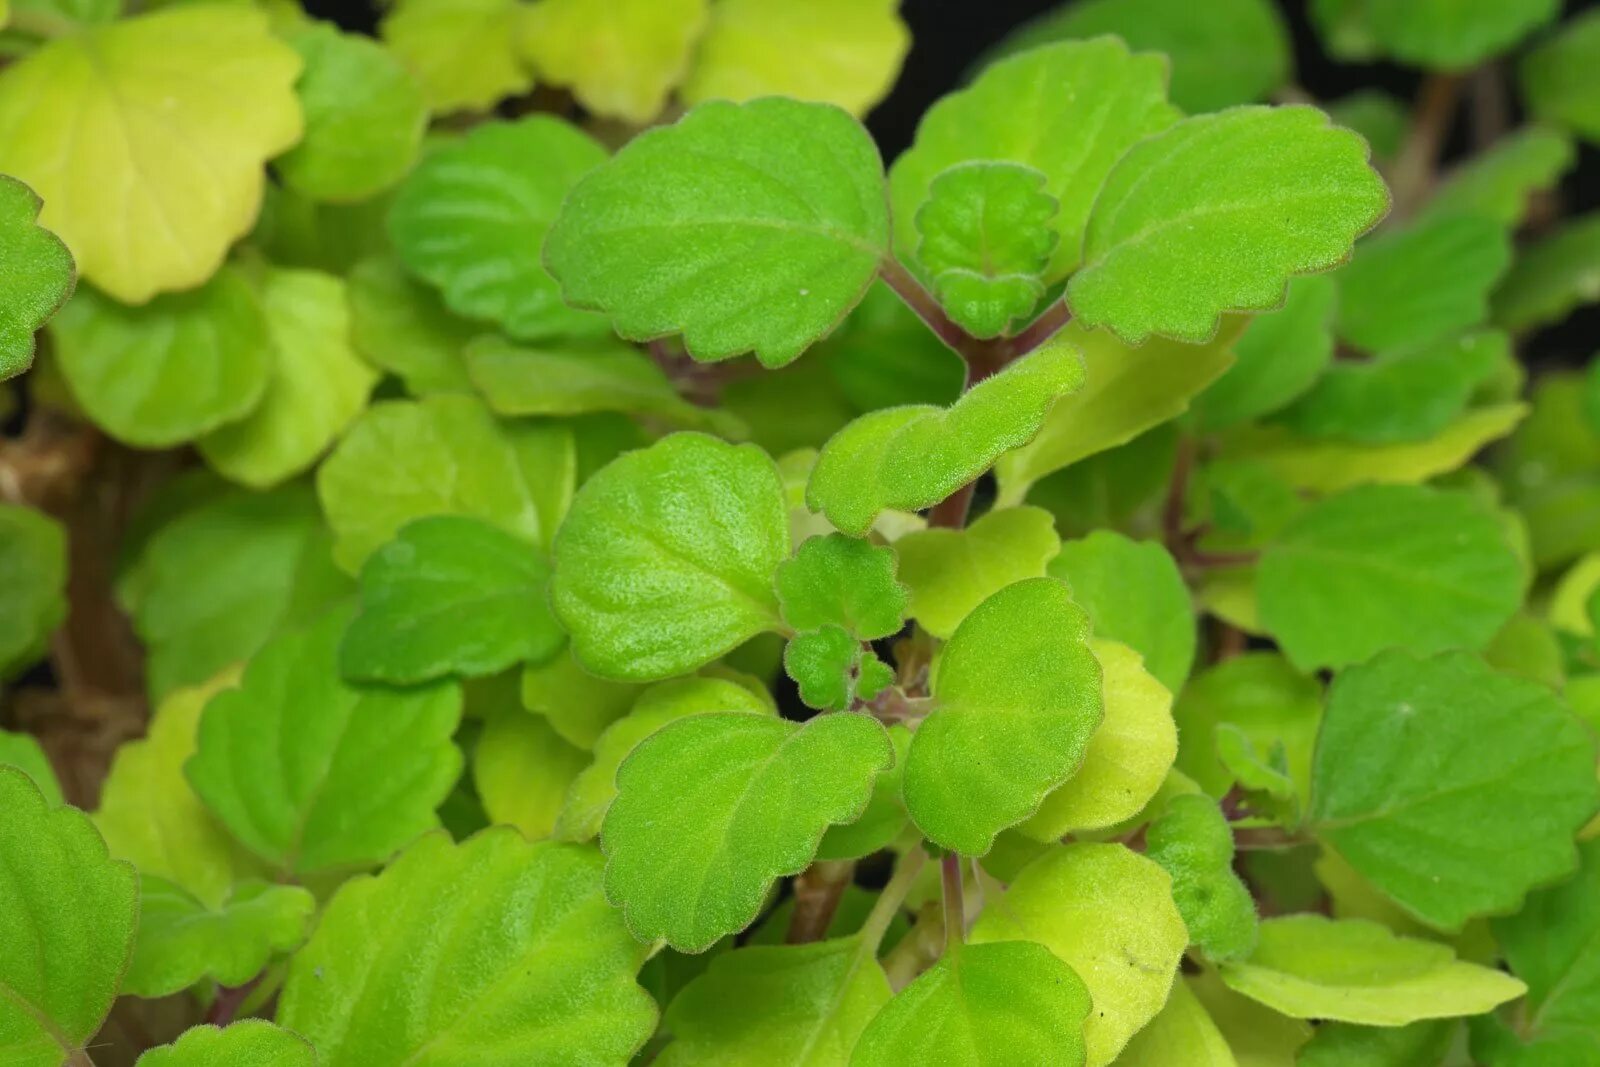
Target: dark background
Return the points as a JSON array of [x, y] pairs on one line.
[[949, 35]]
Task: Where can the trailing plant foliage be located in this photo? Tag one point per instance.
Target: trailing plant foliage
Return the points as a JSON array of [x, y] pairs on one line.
[[526, 542]]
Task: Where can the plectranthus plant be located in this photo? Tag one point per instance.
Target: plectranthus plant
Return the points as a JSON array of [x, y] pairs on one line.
[[525, 542]]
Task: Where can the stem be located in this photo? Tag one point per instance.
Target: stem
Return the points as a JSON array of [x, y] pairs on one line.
[[816, 899], [890, 900], [1491, 111], [79, 1057], [228, 1001], [1265, 838], [921, 301], [955, 908], [951, 512], [917, 951], [1172, 511], [1414, 169], [1040, 330]]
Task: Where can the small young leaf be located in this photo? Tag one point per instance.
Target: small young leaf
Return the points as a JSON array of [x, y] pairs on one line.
[[1064, 134], [744, 227], [1351, 970], [1499, 184], [463, 52], [799, 1004], [575, 379], [1384, 306], [1217, 214], [1194, 844], [472, 217], [182, 941], [845, 582], [186, 104], [1553, 944], [204, 359], [913, 457], [1278, 357], [578, 705], [316, 385], [401, 326], [621, 58], [1128, 757], [833, 670], [1262, 697], [345, 775], [1134, 594], [1107, 912], [537, 967], [986, 241], [36, 275], [67, 914], [247, 1043], [950, 572], [691, 855], [1008, 1001], [667, 558], [1182, 1035], [1450, 830], [522, 769], [1552, 278], [450, 595], [1018, 696], [1452, 34], [364, 117], [1388, 567], [1559, 77], [844, 52], [443, 455], [33, 580]]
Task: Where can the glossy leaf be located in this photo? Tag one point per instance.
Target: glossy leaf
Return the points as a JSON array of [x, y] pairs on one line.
[[621, 58], [1393, 784], [463, 52], [182, 941], [950, 572], [450, 595], [912, 457], [472, 217], [1278, 357], [345, 775], [38, 275], [1107, 913], [691, 856], [247, 1043], [186, 104], [842, 581], [33, 581], [1313, 967], [536, 967], [401, 326], [1167, 251], [1017, 699], [522, 769], [67, 913], [1552, 278], [1194, 843], [667, 558]]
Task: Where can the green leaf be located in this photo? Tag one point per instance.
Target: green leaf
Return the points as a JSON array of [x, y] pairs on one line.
[[473, 216], [1382, 118], [183, 941], [1224, 53], [844, 52], [295, 231], [666, 560], [39, 275], [1261, 696], [577, 704], [1278, 357], [1553, 278], [33, 581], [1383, 308], [1017, 698], [985, 242], [1559, 79], [522, 769], [744, 227], [247, 1043], [1422, 1044], [1500, 182], [912, 457], [219, 578], [795, 1004], [450, 595], [950, 572], [1217, 214], [1448, 829], [1107, 912], [575, 379], [204, 359], [401, 326], [1452, 34], [443, 455], [343, 776], [1351, 970], [1063, 134], [364, 114], [1134, 594], [186, 104], [1182, 1035], [1194, 843], [595, 787], [1128, 757], [621, 58], [1127, 390], [67, 914], [842, 581], [885, 817], [692, 855], [463, 52], [538, 968], [832, 669], [1388, 567], [24, 753], [1548, 468], [316, 385], [883, 355], [1010, 1001], [1553, 944]]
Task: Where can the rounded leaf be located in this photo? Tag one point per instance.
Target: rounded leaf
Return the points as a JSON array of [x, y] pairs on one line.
[[36, 275], [247, 1043]]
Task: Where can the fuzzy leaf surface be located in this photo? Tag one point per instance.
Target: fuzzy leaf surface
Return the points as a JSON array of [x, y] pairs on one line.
[[24, 753], [950, 572], [1192, 841], [842, 581], [33, 582], [182, 941], [522, 769], [1182, 1035], [36, 275], [620, 58], [247, 1043]]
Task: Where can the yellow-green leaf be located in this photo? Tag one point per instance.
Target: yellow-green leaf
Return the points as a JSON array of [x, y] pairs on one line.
[[620, 58]]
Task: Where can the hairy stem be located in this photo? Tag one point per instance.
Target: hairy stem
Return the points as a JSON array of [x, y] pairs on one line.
[[1414, 169], [816, 899], [955, 908]]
